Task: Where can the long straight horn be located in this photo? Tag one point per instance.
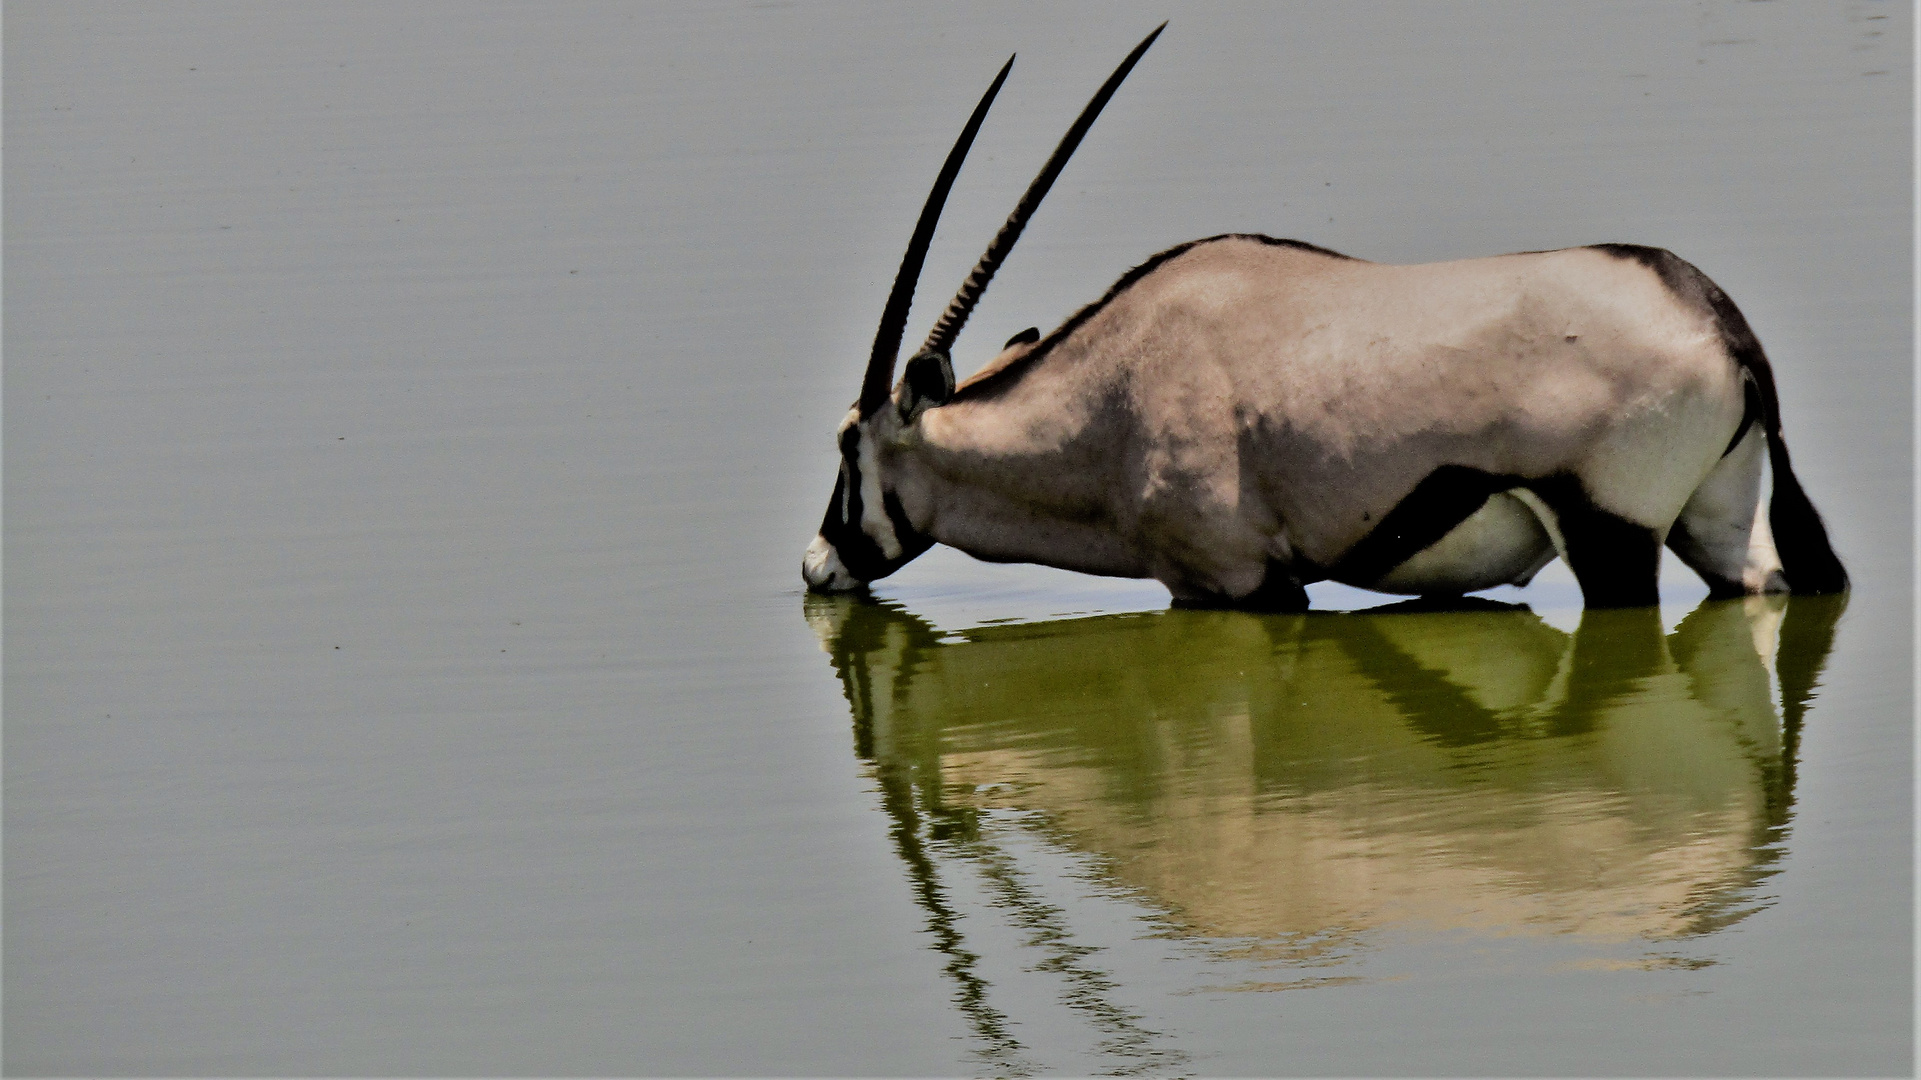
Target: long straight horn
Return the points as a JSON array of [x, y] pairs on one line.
[[949, 326], [879, 379]]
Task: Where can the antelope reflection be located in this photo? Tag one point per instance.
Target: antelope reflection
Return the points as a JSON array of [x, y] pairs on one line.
[[1306, 779]]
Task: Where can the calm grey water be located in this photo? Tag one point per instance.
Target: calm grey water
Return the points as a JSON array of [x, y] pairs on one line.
[[414, 414]]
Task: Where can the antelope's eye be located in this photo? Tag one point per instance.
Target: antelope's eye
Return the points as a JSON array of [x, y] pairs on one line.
[[850, 441]]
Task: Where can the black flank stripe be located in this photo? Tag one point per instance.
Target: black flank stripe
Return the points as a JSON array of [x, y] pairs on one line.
[[1450, 495]]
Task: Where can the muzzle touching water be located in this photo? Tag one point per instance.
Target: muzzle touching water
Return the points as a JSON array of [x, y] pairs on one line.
[[821, 568], [844, 556]]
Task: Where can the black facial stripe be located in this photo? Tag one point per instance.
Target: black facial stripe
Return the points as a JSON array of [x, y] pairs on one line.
[[841, 526], [847, 488], [912, 541], [858, 552]]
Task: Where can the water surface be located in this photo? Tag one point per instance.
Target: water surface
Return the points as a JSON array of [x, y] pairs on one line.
[[1287, 793]]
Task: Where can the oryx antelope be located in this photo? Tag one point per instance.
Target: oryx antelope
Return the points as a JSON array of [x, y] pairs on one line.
[[1241, 416]]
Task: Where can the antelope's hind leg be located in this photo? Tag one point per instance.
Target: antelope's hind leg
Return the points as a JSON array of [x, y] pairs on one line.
[[1722, 533], [1616, 560]]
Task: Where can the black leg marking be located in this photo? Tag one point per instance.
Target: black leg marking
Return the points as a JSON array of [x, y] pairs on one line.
[[1450, 495], [1617, 561]]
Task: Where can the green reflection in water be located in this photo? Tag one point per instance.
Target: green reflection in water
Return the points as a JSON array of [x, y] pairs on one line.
[[1285, 786]]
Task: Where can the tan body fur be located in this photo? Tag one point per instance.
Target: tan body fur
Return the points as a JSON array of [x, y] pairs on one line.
[[1248, 402]]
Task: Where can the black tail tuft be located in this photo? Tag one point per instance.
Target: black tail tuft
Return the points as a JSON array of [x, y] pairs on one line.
[[1807, 559]]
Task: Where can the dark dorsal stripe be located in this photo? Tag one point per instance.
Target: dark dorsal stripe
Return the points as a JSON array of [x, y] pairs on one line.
[[995, 384]]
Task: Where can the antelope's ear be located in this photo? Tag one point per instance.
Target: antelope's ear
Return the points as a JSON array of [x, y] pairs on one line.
[[928, 382]]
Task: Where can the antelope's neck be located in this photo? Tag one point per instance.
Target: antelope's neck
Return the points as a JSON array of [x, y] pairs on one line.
[[1014, 479]]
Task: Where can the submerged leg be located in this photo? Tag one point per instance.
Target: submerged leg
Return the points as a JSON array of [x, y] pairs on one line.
[[1280, 590]]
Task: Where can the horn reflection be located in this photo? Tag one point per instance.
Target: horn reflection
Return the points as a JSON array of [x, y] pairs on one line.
[[1305, 782]]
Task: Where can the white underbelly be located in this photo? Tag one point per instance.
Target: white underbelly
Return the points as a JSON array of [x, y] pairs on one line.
[[1502, 543]]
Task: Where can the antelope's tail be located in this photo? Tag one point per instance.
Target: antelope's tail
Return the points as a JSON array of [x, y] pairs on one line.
[[1807, 558]]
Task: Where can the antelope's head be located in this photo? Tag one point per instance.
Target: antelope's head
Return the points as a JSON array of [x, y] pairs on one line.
[[865, 535]]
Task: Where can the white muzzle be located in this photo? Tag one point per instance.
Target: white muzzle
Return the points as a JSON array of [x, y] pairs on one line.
[[821, 568]]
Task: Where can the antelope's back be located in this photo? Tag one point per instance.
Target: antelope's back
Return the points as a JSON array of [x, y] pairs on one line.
[[1336, 384], [1354, 350]]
